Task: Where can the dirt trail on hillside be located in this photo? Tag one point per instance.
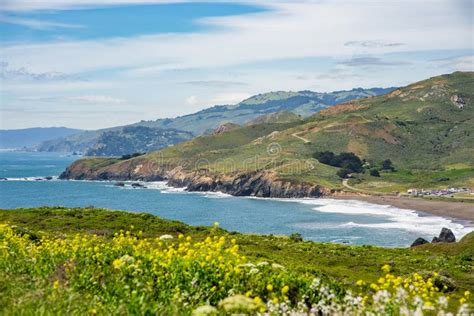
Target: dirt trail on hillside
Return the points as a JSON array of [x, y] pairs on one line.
[[305, 140]]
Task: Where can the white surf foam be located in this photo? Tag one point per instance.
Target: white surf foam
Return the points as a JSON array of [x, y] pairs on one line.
[[214, 195], [31, 179], [389, 217], [393, 217], [163, 187]]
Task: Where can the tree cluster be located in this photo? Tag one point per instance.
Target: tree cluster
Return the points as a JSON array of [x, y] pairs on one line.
[[125, 157], [350, 163]]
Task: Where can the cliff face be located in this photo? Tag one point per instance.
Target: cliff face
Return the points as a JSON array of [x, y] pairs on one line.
[[258, 183]]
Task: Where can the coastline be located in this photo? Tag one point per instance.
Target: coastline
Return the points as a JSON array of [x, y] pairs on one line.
[[455, 210], [262, 184]]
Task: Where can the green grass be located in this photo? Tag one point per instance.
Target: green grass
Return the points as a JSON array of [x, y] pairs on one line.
[[344, 263], [402, 180]]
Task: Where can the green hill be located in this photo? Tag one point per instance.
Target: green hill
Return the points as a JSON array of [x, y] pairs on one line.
[[302, 103], [425, 129]]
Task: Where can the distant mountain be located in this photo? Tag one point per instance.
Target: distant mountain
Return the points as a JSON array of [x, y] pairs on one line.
[[132, 139], [302, 103], [31, 137]]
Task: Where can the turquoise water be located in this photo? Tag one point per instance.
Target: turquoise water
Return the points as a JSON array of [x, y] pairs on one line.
[[327, 220]]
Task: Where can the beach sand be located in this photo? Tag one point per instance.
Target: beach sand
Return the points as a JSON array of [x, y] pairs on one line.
[[456, 210]]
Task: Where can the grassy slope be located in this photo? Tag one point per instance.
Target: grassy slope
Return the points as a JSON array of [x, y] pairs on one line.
[[303, 103], [417, 127], [346, 264]]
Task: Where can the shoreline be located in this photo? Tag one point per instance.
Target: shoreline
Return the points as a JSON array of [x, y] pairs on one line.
[[457, 211], [460, 212]]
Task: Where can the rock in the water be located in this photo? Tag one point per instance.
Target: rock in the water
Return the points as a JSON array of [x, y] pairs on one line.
[[419, 241], [119, 184], [137, 185], [446, 235]]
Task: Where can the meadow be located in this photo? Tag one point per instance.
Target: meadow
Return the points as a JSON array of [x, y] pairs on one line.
[[95, 261]]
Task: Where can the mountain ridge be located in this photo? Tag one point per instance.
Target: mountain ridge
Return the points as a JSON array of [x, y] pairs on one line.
[[30, 137], [419, 128], [301, 103]]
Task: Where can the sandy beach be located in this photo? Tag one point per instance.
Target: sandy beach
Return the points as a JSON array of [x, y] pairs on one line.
[[457, 210]]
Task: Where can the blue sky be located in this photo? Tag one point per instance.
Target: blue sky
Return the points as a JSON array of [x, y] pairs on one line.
[[116, 21], [93, 64]]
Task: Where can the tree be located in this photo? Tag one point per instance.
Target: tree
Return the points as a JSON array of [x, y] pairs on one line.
[[387, 165], [325, 157], [374, 173], [343, 160], [344, 173]]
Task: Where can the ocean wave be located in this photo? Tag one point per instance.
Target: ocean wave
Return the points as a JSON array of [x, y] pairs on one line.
[[394, 217], [35, 179], [389, 217], [214, 195], [163, 187]]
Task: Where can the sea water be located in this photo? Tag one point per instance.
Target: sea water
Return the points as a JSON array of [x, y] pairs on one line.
[[328, 220]]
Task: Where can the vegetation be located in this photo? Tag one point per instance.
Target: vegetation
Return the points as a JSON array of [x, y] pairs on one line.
[[93, 261], [388, 165], [135, 139], [115, 141], [418, 127], [348, 162], [126, 157], [374, 173]]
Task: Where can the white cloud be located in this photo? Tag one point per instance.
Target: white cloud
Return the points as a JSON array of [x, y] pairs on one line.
[[23, 74], [149, 71], [96, 99], [191, 100], [32, 5], [229, 98], [458, 63], [86, 99], [289, 31], [37, 24]]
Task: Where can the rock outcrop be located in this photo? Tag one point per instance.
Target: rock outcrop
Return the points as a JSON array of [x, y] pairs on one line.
[[458, 101], [256, 183], [419, 241], [446, 235]]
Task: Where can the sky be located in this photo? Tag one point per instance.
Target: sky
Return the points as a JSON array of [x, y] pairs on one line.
[[96, 64]]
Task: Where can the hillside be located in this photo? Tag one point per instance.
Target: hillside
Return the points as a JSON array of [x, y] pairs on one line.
[[95, 261], [132, 139], [302, 103], [425, 129], [277, 117], [30, 137]]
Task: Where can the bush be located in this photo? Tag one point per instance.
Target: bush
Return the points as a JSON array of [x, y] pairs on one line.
[[388, 165], [296, 237], [374, 173], [344, 173], [126, 157]]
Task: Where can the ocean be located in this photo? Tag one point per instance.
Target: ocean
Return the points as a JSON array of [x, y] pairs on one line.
[[327, 220]]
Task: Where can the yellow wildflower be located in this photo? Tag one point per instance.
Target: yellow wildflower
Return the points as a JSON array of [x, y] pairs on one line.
[[360, 283], [386, 268]]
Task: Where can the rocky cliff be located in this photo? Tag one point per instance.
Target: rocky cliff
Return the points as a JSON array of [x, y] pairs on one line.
[[257, 183]]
